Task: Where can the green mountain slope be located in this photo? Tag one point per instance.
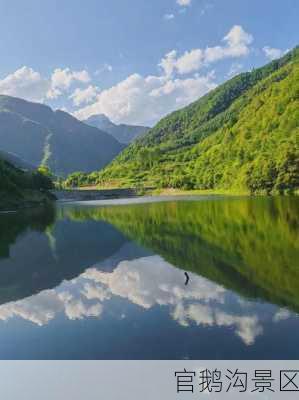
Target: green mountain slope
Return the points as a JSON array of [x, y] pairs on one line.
[[123, 133], [19, 188], [243, 135], [39, 135]]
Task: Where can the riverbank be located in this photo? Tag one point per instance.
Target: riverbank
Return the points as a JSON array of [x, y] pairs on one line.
[[93, 194], [99, 193], [114, 192]]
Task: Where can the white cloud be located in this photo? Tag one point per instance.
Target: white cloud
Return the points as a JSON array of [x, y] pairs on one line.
[[271, 53], [30, 85], [63, 78], [247, 327], [168, 17], [44, 307], [95, 292], [151, 280], [84, 96], [238, 39], [190, 61], [168, 62], [144, 100], [148, 281], [237, 43], [25, 83], [145, 282], [184, 3], [76, 309], [136, 99]]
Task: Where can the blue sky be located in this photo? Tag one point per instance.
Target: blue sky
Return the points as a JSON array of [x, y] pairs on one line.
[[135, 60]]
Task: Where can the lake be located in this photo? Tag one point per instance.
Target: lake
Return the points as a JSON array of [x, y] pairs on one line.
[[107, 280]]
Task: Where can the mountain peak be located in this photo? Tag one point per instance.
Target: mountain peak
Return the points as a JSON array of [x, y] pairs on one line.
[[123, 133], [37, 134], [100, 121], [99, 117]]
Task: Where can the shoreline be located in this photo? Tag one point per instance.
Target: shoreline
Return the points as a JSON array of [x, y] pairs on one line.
[[92, 195], [137, 200], [113, 192]]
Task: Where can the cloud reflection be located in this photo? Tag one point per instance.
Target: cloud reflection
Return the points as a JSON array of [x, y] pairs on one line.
[[147, 282], [43, 307]]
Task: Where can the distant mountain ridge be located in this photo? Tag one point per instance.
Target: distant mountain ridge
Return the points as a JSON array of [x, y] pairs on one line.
[[37, 134], [122, 132]]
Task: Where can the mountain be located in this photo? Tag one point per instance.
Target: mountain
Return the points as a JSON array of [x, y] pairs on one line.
[[77, 245], [37, 134], [98, 245], [22, 188], [16, 161], [123, 133], [243, 135]]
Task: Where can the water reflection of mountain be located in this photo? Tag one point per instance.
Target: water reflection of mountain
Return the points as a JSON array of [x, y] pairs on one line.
[[12, 225], [36, 254], [149, 283], [248, 245]]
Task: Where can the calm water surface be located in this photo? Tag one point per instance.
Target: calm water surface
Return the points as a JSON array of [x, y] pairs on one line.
[[107, 281]]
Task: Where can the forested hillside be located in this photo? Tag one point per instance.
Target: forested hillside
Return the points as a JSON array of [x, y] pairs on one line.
[[18, 187], [243, 135]]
